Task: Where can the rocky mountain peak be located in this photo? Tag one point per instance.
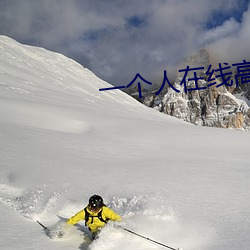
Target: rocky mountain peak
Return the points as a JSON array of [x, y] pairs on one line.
[[198, 59], [206, 104]]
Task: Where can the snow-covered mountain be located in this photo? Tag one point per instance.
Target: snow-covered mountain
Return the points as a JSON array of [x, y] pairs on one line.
[[62, 140], [224, 106]]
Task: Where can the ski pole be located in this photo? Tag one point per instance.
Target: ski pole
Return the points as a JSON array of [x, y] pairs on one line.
[[146, 238], [45, 228]]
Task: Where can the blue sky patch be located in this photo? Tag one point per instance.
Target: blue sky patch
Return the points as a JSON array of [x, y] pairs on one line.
[[218, 17], [136, 21]]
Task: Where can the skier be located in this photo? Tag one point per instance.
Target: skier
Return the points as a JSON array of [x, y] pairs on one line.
[[95, 214]]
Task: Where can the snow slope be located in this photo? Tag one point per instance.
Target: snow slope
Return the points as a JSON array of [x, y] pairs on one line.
[[62, 140]]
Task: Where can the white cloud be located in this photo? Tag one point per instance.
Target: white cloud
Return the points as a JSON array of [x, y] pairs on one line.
[[235, 47], [97, 32], [229, 27]]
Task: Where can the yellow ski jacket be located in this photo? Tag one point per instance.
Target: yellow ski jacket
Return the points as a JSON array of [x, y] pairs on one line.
[[94, 223]]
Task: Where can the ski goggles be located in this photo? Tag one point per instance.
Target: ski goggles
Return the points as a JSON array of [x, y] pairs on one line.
[[94, 208]]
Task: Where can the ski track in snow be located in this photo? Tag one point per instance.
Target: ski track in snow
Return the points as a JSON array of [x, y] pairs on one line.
[[42, 116]]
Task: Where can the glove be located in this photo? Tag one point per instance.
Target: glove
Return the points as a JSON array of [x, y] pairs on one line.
[[62, 229], [60, 234]]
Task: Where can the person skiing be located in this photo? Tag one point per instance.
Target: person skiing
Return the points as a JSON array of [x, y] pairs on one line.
[[95, 214]]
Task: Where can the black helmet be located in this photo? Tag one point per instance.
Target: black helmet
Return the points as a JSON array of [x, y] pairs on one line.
[[96, 202]]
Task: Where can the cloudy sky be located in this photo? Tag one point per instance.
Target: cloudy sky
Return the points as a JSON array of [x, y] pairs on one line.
[[118, 38]]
